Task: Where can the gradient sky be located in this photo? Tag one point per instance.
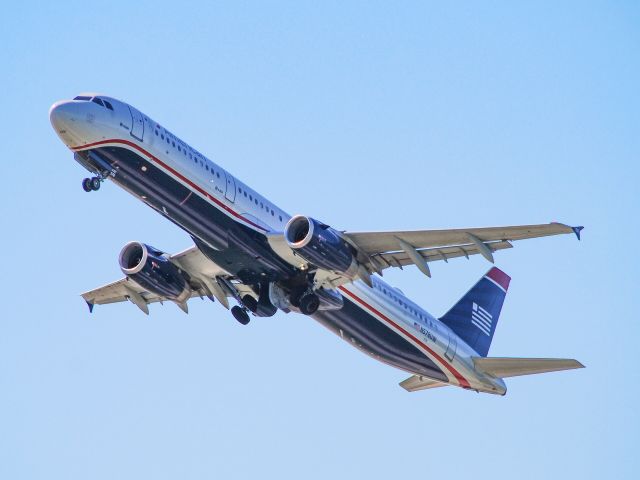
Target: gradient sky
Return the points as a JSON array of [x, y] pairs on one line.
[[368, 116]]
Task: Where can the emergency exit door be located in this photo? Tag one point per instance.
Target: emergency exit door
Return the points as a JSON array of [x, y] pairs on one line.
[[230, 192], [137, 124], [451, 347]]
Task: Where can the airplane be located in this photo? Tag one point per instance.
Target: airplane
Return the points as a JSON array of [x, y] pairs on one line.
[[248, 250]]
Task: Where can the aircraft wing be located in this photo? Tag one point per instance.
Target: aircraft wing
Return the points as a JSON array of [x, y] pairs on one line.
[[202, 271], [381, 250]]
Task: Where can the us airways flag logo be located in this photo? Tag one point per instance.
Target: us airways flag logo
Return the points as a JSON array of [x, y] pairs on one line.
[[481, 319]]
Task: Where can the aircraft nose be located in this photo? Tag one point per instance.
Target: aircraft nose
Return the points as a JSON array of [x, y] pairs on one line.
[[65, 119], [62, 115]]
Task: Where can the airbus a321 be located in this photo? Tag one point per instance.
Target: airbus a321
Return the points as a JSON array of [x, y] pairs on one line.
[[249, 252]]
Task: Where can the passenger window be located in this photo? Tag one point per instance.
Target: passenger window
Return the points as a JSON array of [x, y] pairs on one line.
[[280, 217], [218, 173]]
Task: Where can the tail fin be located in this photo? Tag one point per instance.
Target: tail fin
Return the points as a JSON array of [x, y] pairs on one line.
[[475, 316]]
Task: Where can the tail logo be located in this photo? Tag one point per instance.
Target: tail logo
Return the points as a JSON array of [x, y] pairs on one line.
[[481, 319]]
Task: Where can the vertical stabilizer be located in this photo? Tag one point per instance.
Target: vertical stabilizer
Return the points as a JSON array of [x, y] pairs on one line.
[[475, 316]]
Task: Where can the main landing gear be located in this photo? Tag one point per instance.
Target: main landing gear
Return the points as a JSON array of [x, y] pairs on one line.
[[91, 184], [240, 314], [308, 302]]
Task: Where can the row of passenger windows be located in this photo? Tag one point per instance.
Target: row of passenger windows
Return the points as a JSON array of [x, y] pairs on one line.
[[260, 204], [403, 304], [196, 157], [182, 148]]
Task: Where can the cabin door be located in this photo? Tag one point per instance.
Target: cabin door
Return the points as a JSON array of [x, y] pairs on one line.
[[230, 192], [137, 124], [451, 347]]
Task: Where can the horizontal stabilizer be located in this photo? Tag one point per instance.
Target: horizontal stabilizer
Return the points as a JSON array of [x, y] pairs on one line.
[[514, 367], [418, 382]]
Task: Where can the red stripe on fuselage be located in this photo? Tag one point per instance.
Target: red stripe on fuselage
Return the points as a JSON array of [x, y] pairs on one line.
[[461, 380], [174, 172]]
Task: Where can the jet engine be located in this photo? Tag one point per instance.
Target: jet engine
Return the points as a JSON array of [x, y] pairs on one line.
[[149, 268], [320, 245]]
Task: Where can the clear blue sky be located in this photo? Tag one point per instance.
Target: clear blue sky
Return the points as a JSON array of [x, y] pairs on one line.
[[367, 115]]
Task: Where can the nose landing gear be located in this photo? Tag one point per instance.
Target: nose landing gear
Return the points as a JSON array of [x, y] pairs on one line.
[[91, 184]]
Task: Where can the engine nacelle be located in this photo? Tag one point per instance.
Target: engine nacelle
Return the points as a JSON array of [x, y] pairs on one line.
[[320, 245], [150, 269]]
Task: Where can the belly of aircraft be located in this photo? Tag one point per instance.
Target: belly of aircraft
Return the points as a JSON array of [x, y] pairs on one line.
[[196, 216], [366, 333]]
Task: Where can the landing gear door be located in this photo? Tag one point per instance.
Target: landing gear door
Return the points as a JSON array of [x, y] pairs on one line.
[[451, 347], [137, 124], [230, 193]]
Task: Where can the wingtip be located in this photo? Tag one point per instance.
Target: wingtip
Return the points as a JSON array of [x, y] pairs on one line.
[[577, 231], [90, 305]]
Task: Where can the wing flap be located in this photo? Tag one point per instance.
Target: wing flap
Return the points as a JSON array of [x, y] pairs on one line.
[[379, 242], [117, 291], [514, 367], [401, 258]]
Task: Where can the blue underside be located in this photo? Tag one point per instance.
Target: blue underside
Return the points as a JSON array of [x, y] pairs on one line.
[[246, 254]]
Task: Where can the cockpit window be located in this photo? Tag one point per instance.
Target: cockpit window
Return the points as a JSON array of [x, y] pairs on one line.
[[82, 97], [109, 106], [98, 101]]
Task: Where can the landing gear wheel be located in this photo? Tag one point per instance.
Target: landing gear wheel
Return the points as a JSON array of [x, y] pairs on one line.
[[309, 303], [250, 302], [240, 314], [86, 185], [95, 184]]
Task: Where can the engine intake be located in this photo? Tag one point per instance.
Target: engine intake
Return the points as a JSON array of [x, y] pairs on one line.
[[149, 268], [319, 244]]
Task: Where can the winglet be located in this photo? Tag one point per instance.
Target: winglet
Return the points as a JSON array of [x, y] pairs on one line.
[[577, 231], [90, 305]]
